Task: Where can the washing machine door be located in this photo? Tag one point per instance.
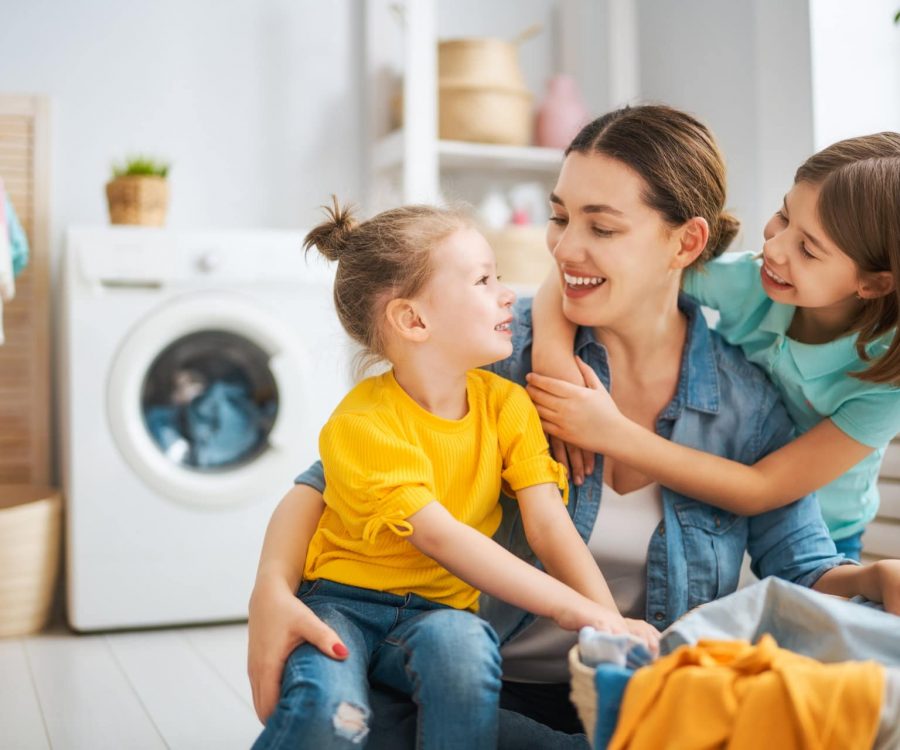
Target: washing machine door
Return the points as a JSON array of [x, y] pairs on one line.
[[205, 396]]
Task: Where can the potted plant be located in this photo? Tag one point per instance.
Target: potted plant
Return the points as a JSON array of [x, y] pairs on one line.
[[138, 192]]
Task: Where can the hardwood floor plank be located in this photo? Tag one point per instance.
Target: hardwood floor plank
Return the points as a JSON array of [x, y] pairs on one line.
[[86, 700], [224, 648], [20, 713], [189, 701]]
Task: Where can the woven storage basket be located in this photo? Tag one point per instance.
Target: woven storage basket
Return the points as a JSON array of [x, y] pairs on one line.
[[484, 114], [138, 199], [583, 693], [481, 93], [488, 62], [29, 556]]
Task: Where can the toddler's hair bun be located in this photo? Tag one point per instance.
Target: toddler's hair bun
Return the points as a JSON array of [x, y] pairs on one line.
[[332, 236]]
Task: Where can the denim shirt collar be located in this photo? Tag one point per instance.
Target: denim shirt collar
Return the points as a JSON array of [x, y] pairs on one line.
[[698, 382]]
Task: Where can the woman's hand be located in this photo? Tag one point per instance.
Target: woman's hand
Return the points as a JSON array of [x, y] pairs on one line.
[[279, 622], [586, 417], [646, 632]]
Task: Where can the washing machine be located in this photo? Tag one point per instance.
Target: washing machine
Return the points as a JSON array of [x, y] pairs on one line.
[[196, 370]]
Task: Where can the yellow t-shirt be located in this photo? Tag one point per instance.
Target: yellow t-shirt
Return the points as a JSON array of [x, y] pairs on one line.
[[385, 458]]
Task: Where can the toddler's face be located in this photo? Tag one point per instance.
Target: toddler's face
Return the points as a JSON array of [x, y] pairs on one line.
[[468, 309]]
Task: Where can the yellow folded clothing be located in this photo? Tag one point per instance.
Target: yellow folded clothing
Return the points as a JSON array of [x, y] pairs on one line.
[[740, 696]]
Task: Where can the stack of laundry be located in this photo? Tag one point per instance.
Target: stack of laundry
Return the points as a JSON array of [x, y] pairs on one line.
[[726, 679]]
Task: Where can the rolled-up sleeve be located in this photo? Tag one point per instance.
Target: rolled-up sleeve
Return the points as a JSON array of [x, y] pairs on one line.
[[526, 455]]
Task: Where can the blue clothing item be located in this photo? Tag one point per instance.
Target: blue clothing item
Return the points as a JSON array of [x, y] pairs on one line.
[[814, 380], [18, 240], [447, 660], [816, 625], [610, 681], [724, 405], [850, 546], [221, 426]]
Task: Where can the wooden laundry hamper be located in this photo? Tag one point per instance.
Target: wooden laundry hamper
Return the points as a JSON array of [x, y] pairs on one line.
[[583, 692]]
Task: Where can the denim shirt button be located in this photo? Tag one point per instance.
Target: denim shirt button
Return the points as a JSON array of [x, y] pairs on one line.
[[718, 521], [662, 529], [659, 617]]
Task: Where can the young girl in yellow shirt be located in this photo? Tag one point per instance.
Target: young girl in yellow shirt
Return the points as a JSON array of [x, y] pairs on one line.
[[414, 460]]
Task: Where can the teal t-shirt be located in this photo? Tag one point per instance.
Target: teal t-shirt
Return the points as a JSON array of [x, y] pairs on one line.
[[813, 380]]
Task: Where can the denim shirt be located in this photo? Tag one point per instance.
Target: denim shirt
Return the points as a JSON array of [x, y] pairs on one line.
[[724, 405]]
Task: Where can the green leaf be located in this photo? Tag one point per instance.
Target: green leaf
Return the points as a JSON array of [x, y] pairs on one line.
[[897, 17], [141, 165]]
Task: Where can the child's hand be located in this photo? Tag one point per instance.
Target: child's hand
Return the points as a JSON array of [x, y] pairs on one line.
[[579, 611], [586, 417], [279, 622], [646, 632]]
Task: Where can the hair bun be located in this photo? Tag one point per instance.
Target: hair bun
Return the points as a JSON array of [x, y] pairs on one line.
[[332, 236], [721, 235]]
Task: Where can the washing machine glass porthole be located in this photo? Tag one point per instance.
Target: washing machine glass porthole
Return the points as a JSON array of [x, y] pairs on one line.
[[209, 400]]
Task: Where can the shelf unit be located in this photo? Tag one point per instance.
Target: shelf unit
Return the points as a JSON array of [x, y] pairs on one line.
[[400, 43]]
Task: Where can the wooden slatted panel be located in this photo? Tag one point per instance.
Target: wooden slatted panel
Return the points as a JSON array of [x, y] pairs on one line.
[[25, 357]]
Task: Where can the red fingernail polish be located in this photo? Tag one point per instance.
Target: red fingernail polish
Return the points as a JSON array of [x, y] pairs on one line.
[[339, 649]]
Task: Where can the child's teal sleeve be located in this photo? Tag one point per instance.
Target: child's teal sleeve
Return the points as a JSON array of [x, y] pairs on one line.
[[727, 282], [872, 418]]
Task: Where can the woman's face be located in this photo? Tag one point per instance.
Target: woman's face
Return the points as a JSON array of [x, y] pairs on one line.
[[613, 251]]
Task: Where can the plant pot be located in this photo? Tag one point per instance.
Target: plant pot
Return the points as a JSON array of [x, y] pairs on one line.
[[138, 199]]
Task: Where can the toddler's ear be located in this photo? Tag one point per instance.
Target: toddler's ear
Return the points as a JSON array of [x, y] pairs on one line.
[[874, 285], [404, 319]]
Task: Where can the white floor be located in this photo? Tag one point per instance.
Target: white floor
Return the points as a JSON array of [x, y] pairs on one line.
[[181, 689]]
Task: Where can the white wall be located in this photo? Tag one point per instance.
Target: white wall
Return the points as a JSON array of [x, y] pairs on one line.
[[744, 69], [255, 102], [856, 68]]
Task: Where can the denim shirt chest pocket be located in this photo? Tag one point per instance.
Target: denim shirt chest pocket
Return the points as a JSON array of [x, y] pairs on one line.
[[714, 543]]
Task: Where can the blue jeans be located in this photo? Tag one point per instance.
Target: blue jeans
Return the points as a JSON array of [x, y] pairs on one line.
[[446, 660], [850, 546]]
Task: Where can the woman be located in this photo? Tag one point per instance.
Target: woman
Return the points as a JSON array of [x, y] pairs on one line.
[[638, 200]]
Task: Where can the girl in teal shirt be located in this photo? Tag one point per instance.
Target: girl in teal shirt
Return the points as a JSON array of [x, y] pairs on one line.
[[817, 310]]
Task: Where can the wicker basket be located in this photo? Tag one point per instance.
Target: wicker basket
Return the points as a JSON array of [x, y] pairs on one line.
[[29, 556], [138, 199], [481, 93], [484, 115], [488, 62], [583, 693]]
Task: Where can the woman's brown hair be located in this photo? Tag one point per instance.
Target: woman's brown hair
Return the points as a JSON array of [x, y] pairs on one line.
[[678, 159], [383, 258], [859, 207]]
